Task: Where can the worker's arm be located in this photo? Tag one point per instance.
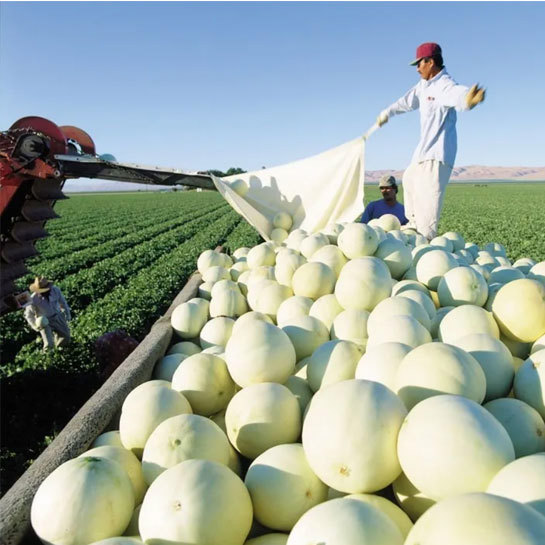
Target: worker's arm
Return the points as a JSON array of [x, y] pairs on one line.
[[460, 97], [407, 103], [30, 316]]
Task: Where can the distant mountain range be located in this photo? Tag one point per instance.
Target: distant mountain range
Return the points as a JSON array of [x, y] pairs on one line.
[[475, 172]]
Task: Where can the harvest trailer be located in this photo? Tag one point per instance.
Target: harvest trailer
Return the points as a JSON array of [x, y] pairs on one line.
[[36, 158]]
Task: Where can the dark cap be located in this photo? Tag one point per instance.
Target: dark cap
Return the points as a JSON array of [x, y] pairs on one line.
[[387, 181], [429, 49]]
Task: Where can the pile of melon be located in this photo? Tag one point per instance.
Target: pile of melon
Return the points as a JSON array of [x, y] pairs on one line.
[[356, 386]]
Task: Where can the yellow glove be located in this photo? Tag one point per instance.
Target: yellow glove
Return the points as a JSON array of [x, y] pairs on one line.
[[381, 119], [475, 96]]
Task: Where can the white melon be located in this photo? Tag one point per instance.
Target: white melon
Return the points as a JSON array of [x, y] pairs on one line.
[[205, 382], [260, 255], [396, 255], [436, 368], [196, 501], [326, 309], [432, 266], [283, 486], [313, 280], [306, 334], [165, 368], [293, 307], [259, 352], [216, 332], [465, 320], [450, 445], [371, 415], [282, 220], [462, 286], [400, 328], [262, 416], [357, 240], [351, 325], [180, 438], [331, 256], [529, 383]]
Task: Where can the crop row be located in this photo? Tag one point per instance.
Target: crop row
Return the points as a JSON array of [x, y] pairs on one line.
[[90, 284], [63, 266], [106, 215]]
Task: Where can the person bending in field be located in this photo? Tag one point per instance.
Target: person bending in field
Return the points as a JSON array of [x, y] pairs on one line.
[[388, 204], [438, 97], [48, 313]]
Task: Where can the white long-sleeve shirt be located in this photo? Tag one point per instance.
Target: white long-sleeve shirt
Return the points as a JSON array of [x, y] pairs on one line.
[[437, 99], [48, 307]]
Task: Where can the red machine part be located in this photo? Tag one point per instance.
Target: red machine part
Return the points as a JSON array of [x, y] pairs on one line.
[[30, 184], [76, 135]]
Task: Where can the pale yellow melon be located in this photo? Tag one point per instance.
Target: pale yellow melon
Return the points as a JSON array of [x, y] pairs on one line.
[[183, 437], [462, 286], [326, 309], [519, 309], [283, 486], [351, 325], [465, 320], [395, 255], [313, 280], [196, 501], [450, 445], [261, 416], [306, 334], [412, 501], [478, 519], [293, 307], [529, 383], [371, 415], [357, 240]]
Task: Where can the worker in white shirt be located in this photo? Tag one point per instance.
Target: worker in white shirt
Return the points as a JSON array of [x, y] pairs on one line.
[[438, 97], [48, 313]]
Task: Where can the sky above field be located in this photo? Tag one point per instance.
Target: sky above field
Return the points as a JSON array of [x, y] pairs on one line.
[[213, 85]]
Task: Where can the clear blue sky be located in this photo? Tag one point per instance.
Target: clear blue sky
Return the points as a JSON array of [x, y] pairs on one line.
[[214, 85]]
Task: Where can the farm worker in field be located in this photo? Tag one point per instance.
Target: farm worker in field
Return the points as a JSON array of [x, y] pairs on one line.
[[48, 313], [387, 205], [438, 97]]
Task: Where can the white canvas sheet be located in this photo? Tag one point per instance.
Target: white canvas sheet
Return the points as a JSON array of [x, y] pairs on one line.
[[315, 191]]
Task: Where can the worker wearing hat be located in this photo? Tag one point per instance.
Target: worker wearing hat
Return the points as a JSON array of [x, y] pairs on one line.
[[387, 205], [48, 313], [438, 97]]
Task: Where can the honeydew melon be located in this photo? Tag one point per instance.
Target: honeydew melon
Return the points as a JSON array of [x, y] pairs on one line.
[[504, 275], [400, 328], [180, 438], [216, 273], [293, 307], [478, 519], [313, 280], [326, 309], [216, 332], [196, 501], [524, 265], [462, 286], [412, 501], [240, 323], [268, 539], [259, 352], [450, 445], [207, 259], [351, 325], [128, 461], [331, 256], [396, 306], [522, 422], [539, 344], [380, 363], [145, 408], [522, 480], [395, 255], [83, 500], [108, 438], [389, 222], [465, 320], [261, 416], [442, 242], [457, 240], [205, 382], [358, 240], [519, 309], [279, 235], [537, 272], [404, 285], [241, 252], [432, 266], [282, 220], [345, 521], [332, 362], [184, 347], [295, 238], [436, 322], [420, 297], [363, 283], [495, 360], [237, 269], [436, 368], [187, 320], [299, 387], [283, 486], [269, 299], [286, 267], [260, 255], [165, 368], [306, 335], [391, 510], [371, 415], [311, 244], [529, 383]]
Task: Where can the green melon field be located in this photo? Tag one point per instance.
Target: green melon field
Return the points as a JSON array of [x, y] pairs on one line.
[[120, 259]]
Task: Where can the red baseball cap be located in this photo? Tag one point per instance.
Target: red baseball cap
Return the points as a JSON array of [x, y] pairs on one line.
[[429, 49]]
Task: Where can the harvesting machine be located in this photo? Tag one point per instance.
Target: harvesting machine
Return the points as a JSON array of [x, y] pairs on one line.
[[36, 158]]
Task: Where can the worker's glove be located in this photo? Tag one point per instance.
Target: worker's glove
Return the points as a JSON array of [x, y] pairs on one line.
[[381, 119], [475, 96]]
